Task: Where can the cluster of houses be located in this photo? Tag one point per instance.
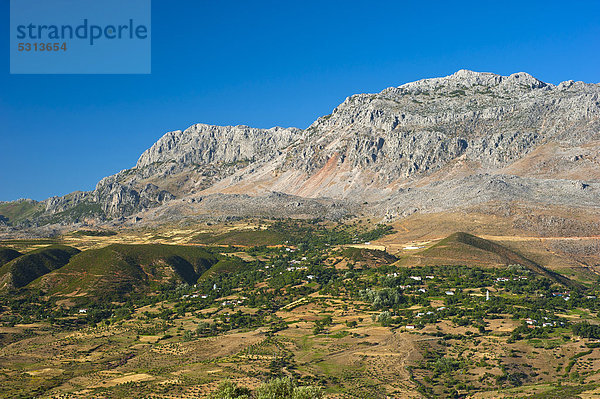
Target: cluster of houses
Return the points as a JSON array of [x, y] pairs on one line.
[[292, 268], [416, 278], [405, 287], [232, 302], [532, 323], [504, 279], [203, 296], [421, 314], [564, 295]]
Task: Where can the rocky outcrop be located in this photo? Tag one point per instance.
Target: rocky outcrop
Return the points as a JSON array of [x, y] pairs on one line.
[[208, 152], [118, 199], [204, 144]]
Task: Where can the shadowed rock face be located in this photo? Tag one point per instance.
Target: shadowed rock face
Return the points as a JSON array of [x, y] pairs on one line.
[[432, 144]]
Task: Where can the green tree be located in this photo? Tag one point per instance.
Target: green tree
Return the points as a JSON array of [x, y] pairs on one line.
[[307, 393], [285, 388], [277, 388], [230, 390]]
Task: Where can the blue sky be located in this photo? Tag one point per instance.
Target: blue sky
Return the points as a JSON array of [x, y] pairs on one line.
[[264, 64]]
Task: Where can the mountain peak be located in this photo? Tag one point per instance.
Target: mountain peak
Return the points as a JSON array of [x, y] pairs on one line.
[[467, 73], [465, 78], [525, 79], [522, 79]]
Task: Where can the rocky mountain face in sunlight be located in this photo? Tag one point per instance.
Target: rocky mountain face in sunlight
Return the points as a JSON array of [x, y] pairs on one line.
[[431, 145]]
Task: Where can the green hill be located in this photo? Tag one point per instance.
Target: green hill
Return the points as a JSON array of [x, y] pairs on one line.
[[368, 257], [119, 269], [8, 254], [466, 249], [24, 269]]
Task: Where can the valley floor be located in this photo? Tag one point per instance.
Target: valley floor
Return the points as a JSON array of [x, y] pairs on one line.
[[317, 302]]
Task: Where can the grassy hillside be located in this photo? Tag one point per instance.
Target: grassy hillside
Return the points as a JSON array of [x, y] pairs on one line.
[[8, 254], [466, 249], [311, 233], [18, 211], [24, 269], [368, 257], [74, 214], [244, 237], [119, 269], [229, 265]]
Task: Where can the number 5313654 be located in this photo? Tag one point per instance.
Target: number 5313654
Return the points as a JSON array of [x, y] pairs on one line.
[[42, 46]]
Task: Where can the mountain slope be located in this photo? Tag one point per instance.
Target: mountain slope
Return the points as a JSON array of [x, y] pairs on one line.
[[465, 124], [7, 254], [406, 149]]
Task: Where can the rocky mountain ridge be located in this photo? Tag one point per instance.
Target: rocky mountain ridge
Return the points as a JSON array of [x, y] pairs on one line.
[[432, 144]]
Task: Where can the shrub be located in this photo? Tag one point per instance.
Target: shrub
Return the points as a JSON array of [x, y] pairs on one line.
[[285, 388], [586, 330], [230, 390]]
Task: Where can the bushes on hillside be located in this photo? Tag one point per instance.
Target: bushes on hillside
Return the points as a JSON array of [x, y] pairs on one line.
[[277, 388], [383, 298], [586, 330]]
